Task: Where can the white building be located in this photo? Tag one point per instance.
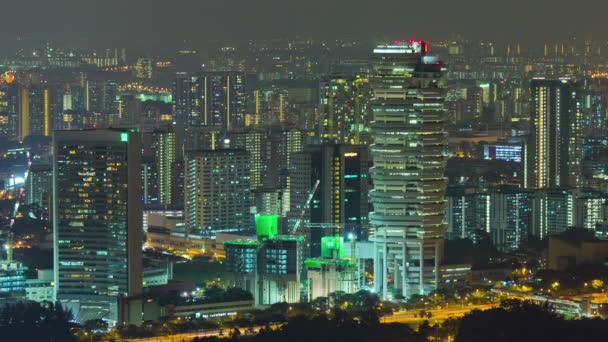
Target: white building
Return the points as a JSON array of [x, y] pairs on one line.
[[409, 154]]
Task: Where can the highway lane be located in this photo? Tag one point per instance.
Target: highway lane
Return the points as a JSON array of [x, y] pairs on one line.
[[407, 317]]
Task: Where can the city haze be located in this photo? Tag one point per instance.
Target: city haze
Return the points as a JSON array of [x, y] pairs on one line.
[[158, 23]]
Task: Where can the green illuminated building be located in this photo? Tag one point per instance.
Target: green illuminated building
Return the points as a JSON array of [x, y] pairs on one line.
[[332, 247], [266, 225], [331, 272]]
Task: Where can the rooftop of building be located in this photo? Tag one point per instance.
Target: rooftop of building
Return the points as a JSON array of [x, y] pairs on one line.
[[286, 238], [240, 242], [578, 236], [319, 262]]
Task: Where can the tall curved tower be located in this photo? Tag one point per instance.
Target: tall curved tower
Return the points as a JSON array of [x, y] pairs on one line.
[[409, 155]]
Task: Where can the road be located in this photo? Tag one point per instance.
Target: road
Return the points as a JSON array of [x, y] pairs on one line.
[[438, 315], [186, 337], [407, 317]]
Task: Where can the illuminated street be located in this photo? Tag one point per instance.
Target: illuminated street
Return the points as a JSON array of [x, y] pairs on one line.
[[438, 315]]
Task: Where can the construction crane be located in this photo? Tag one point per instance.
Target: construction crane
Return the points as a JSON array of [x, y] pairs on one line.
[[311, 194]]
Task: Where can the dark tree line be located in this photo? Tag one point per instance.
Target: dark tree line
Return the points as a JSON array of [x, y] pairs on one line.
[[523, 321], [513, 321], [32, 321]]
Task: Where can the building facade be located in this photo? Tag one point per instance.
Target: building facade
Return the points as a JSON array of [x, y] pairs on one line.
[[341, 197], [554, 145], [217, 191], [409, 155], [97, 226]]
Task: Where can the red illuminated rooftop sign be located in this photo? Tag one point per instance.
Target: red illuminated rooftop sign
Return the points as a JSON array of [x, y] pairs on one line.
[[419, 45]]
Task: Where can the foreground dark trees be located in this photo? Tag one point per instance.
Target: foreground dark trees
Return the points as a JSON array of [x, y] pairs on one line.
[[340, 327], [352, 318], [513, 321], [31, 321], [516, 321]]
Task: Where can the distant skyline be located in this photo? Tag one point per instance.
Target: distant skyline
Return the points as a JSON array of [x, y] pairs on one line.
[[164, 23]]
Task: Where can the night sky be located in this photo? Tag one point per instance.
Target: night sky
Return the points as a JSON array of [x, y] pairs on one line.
[[168, 21]]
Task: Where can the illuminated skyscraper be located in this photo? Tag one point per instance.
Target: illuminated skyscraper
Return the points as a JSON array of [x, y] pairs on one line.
[[272, 106], [36, 105], [555, 210], [409, 155], [554, 145], [186, 100], [510, 217], [341, 198], [210, 99], [344, 109], [97, 226], [100, 97], [216, 194], [143, 68], [23, 113], [38, 185], [149, 179], [166, 151], [270, 150], [467, 211], [223, 100]]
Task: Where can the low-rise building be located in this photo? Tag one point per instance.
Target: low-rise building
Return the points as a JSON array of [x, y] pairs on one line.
[[41, 288], [574, 248], [454, 275]]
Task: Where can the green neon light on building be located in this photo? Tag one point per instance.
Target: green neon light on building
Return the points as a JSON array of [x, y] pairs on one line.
[[320, 263], [332, 246], [266, 225], [124, 137]]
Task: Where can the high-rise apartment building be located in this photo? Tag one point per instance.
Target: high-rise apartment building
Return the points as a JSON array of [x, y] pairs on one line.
[[100, 99], [270, 150], [217, 191], [558, 209], [409, 156], [467, 211], [97, 226], [38, 185], [36, 107], [554, 145], [210, 99], [223, 99], [510, 217], [23, 112], [549, 212], [186, 100], [344, 109], [504, 213], [150, 181], [166, 153]]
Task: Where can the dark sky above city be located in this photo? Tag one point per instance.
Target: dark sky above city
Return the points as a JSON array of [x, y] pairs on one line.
[[156, 21]]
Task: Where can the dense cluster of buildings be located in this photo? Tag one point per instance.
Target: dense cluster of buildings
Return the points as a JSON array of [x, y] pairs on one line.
[[305, 175]]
